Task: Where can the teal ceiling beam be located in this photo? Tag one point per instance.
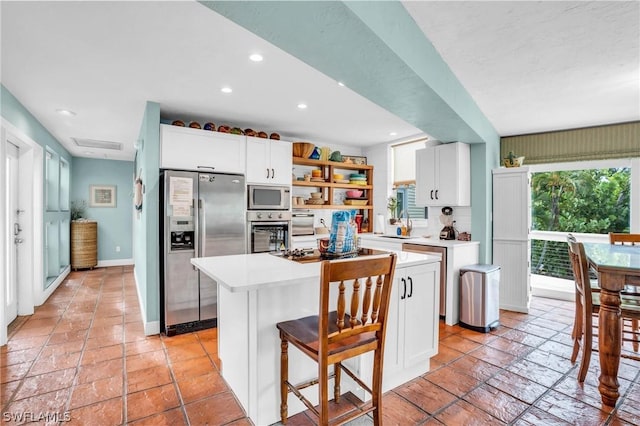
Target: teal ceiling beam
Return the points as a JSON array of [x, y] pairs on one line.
[[378, 51]]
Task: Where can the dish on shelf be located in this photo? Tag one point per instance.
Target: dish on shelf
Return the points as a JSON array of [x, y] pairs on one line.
[[350, 202], [303, 149], [358, 182], [341, 181], [317, 179], [357, 176], [354, 193], [314, 201]]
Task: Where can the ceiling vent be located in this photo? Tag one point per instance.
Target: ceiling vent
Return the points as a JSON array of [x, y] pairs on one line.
[[92, 143]]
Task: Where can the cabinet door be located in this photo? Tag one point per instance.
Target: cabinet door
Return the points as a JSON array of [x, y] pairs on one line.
[[393, 355], [453, 175], [443, 175], [281, 162], [425, 176], [511, 204], [194, 149], [258, 162], [421, 308], [515, 288]]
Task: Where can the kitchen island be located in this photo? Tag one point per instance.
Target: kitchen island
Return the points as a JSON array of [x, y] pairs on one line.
[[256, 291]]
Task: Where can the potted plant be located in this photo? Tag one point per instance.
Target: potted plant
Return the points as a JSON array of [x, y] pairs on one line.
[[78, 209], [392, 206]]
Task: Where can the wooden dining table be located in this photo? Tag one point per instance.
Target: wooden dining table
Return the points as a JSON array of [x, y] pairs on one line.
[[616, 265]]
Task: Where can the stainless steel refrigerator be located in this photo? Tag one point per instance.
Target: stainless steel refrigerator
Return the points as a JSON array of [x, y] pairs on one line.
[[203, 215]]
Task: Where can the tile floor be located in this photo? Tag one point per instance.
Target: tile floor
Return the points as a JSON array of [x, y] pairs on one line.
[[82, 358]]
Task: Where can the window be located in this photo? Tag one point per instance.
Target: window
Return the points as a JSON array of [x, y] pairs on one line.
[[582, 198], [407, 202], [404, 178]]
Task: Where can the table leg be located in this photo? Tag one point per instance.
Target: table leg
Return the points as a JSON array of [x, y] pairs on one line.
[[609, 345]]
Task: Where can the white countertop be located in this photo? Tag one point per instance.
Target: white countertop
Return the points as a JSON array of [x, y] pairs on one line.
[[418, 240], [247, 272], [378, 237]]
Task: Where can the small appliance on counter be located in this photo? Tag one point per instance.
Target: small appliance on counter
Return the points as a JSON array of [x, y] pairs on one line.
[[449, 231]]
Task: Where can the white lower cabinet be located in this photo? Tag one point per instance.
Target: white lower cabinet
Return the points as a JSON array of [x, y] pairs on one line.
[[412, 324]]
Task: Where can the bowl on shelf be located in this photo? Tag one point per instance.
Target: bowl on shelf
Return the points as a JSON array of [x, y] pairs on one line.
[[354, 193], [303, 149], [355, 202], [316, 195], [338, 176], [316, 173]]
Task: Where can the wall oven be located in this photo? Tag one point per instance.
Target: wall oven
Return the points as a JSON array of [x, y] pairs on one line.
[[268, 231], [268, 197]]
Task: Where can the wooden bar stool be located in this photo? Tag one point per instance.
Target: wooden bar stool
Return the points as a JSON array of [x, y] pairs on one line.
[[331, 337]]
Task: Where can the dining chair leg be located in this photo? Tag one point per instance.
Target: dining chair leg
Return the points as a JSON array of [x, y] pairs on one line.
[[376, 388], [323, 393], [577, 333], [634, 329], [284, 377], [586, 349], [337, 372]]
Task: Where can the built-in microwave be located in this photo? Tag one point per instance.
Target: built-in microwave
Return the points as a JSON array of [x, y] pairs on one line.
[[268, 197]]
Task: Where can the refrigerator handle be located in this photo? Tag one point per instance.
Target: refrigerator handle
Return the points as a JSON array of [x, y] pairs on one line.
[[202, 223]]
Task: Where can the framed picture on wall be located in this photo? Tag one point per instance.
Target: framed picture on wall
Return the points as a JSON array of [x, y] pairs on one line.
[[102, 196]]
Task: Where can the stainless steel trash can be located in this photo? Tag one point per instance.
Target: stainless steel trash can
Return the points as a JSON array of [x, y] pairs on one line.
[[479, 297]]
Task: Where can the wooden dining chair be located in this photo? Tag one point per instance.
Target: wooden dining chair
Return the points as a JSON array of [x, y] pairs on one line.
[[624, 239], [333, 336], [588, 307]]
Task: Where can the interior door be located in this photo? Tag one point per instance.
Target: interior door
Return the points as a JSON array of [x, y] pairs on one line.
[[13, 233]]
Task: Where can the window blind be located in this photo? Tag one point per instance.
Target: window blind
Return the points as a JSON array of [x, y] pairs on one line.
[[404, 161], [591, 143]]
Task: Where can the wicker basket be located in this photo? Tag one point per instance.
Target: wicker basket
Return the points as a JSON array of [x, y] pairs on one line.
[[84, 244]]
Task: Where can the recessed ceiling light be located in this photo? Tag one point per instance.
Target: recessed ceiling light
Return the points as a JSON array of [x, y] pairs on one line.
[[226, 90], [302, 106], [392, 134], [66, 112], [341, 84], [256, 57]]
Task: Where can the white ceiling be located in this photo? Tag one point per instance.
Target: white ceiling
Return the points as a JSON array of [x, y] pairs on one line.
[[530, 67]]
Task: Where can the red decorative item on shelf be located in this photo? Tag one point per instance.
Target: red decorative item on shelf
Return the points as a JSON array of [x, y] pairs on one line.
[[359, 222]]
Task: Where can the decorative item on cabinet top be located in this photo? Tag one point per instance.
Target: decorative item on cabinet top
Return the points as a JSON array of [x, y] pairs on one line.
[[228, 129], [512, 160]]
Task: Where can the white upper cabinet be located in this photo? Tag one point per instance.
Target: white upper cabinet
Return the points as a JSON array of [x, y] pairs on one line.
[[443, 174], [185, 148], [268, 161]]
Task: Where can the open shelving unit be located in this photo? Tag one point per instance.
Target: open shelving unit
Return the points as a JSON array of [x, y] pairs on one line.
[[328, 187]]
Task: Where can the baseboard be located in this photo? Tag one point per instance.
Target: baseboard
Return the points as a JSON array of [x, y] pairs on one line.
[[515, 308], [150, 327], [114, 262]]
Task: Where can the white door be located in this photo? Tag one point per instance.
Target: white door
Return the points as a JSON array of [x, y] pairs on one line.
[[13, 233]]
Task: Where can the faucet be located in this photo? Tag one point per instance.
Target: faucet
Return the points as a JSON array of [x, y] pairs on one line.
[[409, 224]]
